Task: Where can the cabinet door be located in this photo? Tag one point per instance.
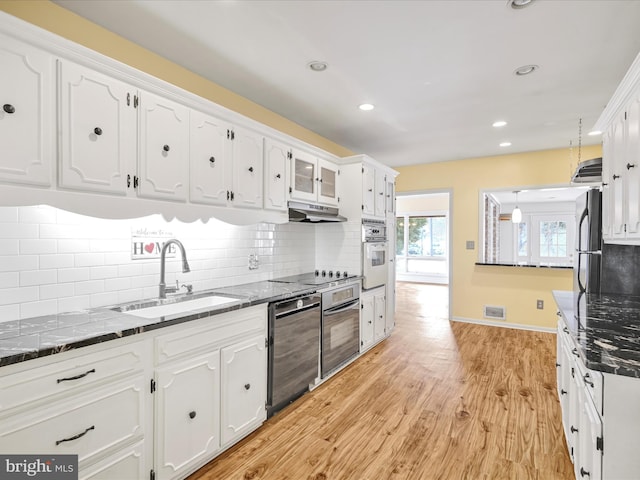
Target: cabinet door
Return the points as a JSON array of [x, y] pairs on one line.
[[187, 414], [618, 138], [381, 313], [390, 198], [391, 275], [27, 113], [607, 187], [98, 130], [589, 457], [632, 170], [247, 147], [210, 160], [368, 190], [328, 188], [367, 321], [380, 200], [164, 148], [304, 176], [244, 388], [276, 156]]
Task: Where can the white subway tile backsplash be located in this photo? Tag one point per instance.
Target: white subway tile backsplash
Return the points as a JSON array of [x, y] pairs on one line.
[[18, 295], [56, 261], [89, 287], [37, 309], [88, 259], [73, 245], [7, 313], [40, 214], [18, 263], [38, 277], [9, 247], [103, 272], [37, 246], [71, 304], [9, 279], [73, 275], [58, 290]]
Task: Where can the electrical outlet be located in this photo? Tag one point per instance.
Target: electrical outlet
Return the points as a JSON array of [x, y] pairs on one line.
[[540, 304], [253, 261]]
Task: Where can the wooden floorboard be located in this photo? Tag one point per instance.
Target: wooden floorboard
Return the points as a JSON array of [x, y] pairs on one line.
[[436, 400]]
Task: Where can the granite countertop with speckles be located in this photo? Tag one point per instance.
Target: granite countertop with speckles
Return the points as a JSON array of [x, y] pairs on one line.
[[30, 338], [606, 328]]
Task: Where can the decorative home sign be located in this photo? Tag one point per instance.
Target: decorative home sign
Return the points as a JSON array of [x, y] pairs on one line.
[[147, 243]]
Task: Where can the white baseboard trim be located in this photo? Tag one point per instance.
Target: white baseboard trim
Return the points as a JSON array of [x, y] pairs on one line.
[[517, 326]]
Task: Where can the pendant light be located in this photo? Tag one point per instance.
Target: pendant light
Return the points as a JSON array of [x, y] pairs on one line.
[[516, 215]]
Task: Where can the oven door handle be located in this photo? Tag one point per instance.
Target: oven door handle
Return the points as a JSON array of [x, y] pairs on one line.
[[340, 309]]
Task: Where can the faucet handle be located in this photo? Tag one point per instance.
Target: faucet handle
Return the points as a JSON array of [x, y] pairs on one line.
[[189, 288]]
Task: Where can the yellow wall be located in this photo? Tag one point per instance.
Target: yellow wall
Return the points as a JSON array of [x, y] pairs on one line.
[[62, 22], [474, 286]]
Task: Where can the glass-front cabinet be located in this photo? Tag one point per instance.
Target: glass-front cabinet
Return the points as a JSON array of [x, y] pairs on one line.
[[313, 179]]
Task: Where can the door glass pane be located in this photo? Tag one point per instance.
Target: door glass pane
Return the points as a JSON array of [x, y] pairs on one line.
[[305, 175], [400, 235], [523, 247], [327, 182], [427, 236], [553, 239]]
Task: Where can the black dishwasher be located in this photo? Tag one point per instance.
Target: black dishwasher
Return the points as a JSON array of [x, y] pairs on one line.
[[294, 349]]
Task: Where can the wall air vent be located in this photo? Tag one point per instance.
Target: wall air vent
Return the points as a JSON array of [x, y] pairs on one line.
[[496, 313]]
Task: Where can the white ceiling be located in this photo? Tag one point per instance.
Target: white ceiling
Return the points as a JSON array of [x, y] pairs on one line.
[[439, 72], [540, 195]]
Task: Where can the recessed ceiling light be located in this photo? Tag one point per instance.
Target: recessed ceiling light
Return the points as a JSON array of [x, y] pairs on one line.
[[499, 123], [593, 133], [366, 107], [318, 66], [505, 144], [525, 70], [519, 3]]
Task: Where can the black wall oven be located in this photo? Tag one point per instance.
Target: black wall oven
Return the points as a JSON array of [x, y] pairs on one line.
[[340, 332]]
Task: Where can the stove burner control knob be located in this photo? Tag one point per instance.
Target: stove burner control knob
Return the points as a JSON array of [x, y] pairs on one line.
[[330, 273], [338, 274], [324, 274], [344, 274], [317, 273]]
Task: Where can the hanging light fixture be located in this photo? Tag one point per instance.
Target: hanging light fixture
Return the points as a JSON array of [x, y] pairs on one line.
[[516, 215]]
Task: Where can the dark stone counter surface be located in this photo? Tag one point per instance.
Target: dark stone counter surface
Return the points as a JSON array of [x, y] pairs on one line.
[[30, 338], [607, 330]]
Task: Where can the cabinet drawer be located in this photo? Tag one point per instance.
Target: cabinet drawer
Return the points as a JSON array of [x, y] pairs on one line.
[[211, 331], [128, 464], [69, 376], [592, 381], [85, 425]]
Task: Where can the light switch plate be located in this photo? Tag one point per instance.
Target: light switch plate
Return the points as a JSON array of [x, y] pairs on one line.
[[471, 244]]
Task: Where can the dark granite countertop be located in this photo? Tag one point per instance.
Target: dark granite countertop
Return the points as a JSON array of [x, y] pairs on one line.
[[607, 329], [30, 338]]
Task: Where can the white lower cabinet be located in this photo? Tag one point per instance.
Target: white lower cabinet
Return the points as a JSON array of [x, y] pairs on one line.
[[600, 415], [187, 414], [96, 406], [373, 326], [244, 391]]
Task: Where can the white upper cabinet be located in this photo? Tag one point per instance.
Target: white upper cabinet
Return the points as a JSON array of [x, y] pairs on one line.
[[276, 158], [210, 160], [247, 151], [373, 191], [98, 130], [632, 167], [163, 148], [26, 113], [226, 163], [313, 179]]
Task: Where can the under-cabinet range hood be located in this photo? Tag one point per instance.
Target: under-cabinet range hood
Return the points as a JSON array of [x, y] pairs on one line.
[[310, 213], [588, 171]]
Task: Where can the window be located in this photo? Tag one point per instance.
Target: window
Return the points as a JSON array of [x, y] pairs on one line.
[[426, 236], [400, 236], [553, 239], [523, 244]]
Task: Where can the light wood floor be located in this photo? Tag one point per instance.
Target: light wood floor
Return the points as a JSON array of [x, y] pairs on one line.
[[437, 400]]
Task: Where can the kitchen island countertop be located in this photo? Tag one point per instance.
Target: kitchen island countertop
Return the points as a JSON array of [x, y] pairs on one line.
[[30, 338], [607, 330]]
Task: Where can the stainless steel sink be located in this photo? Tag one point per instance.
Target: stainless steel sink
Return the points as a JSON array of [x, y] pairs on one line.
[[176, 305]]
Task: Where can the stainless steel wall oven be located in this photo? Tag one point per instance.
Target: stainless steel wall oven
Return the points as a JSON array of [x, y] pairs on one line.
[[340, 327]]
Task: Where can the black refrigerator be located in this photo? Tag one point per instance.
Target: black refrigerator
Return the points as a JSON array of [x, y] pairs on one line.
[[586, 271]]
